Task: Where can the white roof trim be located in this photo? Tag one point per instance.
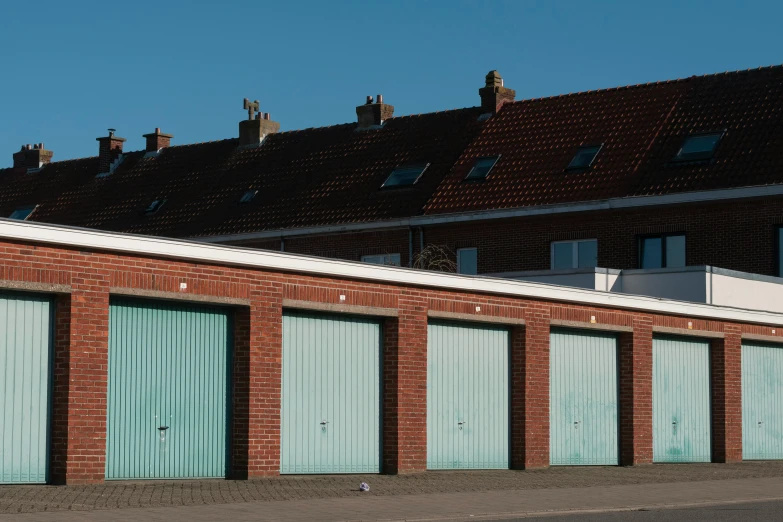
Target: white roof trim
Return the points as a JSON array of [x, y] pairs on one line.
[[441, 219], [285, 262]]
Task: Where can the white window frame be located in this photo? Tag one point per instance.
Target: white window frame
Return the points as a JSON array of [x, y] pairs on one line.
[[574, 251], [386, 259], [459, 251]]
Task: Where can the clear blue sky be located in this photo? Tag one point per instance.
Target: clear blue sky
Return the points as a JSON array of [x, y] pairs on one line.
[[72, 69]]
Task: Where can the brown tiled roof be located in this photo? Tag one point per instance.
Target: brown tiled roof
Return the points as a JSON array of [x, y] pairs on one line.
[[309, 177], [641, 128], [333, 175]]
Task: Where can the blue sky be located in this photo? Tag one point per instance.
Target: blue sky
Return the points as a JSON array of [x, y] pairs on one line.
[[72, 69]]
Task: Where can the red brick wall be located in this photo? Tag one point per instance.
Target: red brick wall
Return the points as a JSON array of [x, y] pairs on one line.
[[718, 234], [726, 373], [636, 362], [79, 412]]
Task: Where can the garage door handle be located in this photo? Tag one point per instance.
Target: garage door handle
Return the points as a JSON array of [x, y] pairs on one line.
[[163, 428], [761, 422], [324, 423]]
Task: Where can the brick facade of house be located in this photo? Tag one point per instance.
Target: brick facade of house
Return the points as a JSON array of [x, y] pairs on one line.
[[737, 235], [84, 281]]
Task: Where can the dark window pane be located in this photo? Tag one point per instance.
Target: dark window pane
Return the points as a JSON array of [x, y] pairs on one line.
[[651, 252], [467, 261], [563, 254], [588, 254], [780, 252], [698, 147], [482, 167], [675, 251], [405, 175], [584, 157]]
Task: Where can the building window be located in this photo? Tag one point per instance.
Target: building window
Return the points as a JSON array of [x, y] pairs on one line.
[[779, 250], [574, 254], [698, 147], [248, 196], [382, 259], [663, 251], [585, 157], [22, 213], [467, 261], [482, 167], [154, 206], [406, 175]]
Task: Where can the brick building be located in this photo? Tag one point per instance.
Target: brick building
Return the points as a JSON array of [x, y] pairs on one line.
[[176, 359], [669, 174]]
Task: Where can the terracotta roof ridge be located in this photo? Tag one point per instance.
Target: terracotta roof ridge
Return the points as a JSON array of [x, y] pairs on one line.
[[649, 84]]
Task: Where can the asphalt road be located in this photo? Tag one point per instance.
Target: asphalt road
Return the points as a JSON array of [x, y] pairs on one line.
[[745, 512]]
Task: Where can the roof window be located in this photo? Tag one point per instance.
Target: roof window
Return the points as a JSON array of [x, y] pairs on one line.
[[22, 213], [248, 196], [698, 146], [584, 157], [405, 175], [481, 167], [154, 206]]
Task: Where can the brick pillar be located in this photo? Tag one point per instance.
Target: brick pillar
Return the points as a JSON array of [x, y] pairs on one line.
[[87, 361], [240, 399], [726, 379], [58, 457], [636, 394], [264, 358], [405, 388], [535, 375], [518, 397], [390, 375]]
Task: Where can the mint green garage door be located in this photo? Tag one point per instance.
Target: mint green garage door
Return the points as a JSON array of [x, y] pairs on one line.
[[762, 401], [467, 397], [331, 394], [25, 387], [583, 398], [681, 400], [168, 390]]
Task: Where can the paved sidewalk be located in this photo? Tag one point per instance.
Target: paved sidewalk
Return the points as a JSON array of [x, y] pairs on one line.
[[486, 505], [337, 498]]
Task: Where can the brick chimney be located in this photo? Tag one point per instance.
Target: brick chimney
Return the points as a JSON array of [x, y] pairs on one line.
[[257, 125], [372, 114], [32, 156], [157, 140], [493, 94], [109, 148]]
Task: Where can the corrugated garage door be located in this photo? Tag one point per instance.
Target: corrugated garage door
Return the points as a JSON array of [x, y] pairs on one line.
[[762, 401], [681, 400], [168, 390], [583, 398], [25, 387], [467, 397], [331, 394]]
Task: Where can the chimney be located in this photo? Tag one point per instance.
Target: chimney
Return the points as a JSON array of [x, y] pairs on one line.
[[157, 140], [493, 94], [373, 114], [257, 125], [32, 156], [109, 148]]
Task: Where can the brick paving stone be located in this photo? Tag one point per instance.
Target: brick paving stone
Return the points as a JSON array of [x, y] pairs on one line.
[[121, 495]]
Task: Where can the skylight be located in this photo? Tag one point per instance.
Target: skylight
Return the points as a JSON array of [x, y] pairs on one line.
[[22, 213], [585, 157], [405, 175], [154, 206], [482, 167], [248, 196], [698, 146]]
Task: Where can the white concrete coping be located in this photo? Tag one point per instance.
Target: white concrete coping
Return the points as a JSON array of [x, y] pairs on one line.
[[192, 251]]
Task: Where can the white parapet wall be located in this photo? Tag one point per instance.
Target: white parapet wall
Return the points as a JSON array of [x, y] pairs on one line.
[[696, 284]]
